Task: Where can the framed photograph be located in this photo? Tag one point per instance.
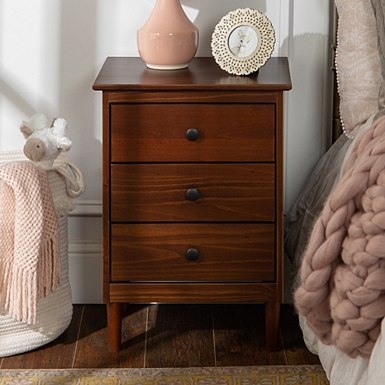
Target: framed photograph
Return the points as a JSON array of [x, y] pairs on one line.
[[243, 41]]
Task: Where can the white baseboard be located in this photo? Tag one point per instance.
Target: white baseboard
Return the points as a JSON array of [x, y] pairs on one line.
[[86, 271], [87, 208], [86, 258]]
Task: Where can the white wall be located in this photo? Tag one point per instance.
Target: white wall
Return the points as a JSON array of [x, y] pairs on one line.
[[52, 50]]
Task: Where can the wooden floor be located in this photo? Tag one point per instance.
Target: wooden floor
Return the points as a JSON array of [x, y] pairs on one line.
[[170, 336]]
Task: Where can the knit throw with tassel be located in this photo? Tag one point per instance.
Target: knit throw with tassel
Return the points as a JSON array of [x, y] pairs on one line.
[[342, 291], [29, 251]]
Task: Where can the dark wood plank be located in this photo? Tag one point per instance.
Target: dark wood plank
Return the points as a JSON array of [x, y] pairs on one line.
[[181, 337], [240, 336], [193, 292], [92, 348], [58, 354], [295, 348], [127, 73]]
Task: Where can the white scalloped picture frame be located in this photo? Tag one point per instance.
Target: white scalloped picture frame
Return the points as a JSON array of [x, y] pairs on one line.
[[243, 41]]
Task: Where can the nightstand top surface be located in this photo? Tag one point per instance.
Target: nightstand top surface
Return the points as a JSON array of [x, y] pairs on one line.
[[131, 74]]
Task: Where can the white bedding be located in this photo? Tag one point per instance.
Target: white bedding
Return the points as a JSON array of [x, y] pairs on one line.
[[343, 370], [340, 368]]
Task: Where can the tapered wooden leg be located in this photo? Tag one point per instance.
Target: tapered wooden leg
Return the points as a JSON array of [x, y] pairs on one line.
[[272, 313], [114, 326]]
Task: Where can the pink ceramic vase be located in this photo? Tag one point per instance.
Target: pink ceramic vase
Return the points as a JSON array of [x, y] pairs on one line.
[[168, 40]]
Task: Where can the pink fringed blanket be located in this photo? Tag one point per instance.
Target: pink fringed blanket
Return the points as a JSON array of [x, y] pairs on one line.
[[342, 294], [29, 252]]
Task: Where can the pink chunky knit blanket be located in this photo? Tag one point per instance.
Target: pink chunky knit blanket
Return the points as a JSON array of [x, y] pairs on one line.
[[342, 294], [29, 252]]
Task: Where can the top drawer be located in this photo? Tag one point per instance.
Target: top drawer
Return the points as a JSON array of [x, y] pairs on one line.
[[226, 132]]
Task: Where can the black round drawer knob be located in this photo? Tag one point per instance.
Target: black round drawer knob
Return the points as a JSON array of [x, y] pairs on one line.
[[192, 194], [192, 254], [192, 134]]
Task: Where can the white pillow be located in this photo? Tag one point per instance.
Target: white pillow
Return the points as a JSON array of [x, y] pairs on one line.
[[358, 63]]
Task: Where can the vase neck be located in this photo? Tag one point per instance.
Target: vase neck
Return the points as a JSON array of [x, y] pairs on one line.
[[170, 12], [168, 6]]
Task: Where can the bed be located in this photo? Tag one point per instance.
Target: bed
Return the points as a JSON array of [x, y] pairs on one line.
[[335, 231]]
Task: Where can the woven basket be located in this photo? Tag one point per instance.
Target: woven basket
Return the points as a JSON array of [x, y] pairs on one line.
[[54, 312]]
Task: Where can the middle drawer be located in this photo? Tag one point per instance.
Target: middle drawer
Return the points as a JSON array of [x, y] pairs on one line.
[[192, 192]]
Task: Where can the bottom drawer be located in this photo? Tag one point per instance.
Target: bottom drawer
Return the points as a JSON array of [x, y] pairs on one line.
[[193, 252]]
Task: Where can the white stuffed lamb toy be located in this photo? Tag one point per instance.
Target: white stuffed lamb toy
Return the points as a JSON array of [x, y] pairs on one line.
[[43, 143], [43, 147]]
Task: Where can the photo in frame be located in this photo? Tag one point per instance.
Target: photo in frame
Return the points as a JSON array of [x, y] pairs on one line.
[[243, 41]]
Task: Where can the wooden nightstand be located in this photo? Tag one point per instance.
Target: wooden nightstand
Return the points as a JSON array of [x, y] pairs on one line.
[[192, 186]]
